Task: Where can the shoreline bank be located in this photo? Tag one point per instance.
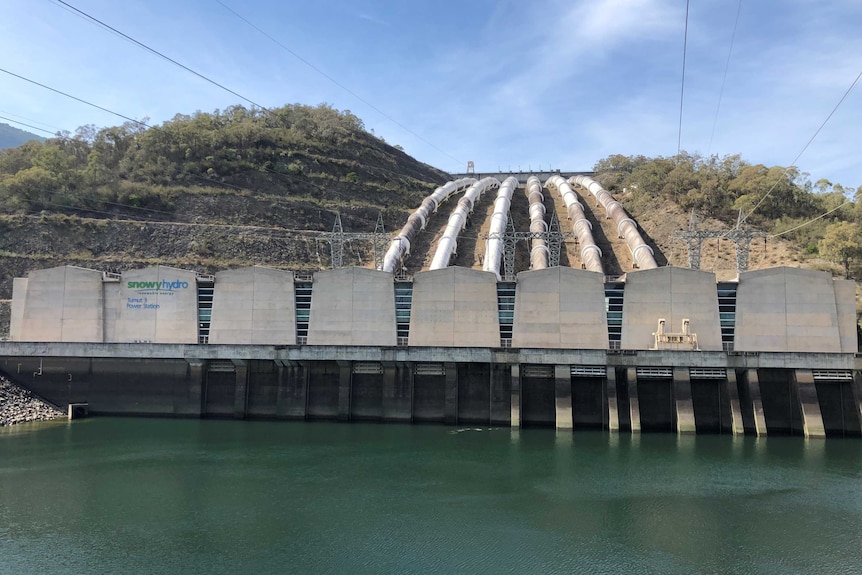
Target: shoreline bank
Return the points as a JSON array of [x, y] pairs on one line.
[[18, 405]]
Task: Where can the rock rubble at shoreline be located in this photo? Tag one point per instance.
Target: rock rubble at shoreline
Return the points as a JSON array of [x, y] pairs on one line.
[[18, 405]]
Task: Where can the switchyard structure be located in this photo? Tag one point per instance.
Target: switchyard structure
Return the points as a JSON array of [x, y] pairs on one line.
[[659, 349]]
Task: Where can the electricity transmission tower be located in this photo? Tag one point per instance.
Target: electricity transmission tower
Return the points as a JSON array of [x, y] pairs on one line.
[[740, 235], [338, 237], [553, 239]]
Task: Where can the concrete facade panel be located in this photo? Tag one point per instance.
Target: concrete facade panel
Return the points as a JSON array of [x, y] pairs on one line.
[[158, 304], [672, 294], [352, 306], [455, 306], [845, 300], [19, 303], [63, 304], [789, 310], [253, 304], [561, 308]]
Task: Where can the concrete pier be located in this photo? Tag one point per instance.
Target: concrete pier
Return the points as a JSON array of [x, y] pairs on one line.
[[240, 402], [736, 424], [806, 393], [397, 396], [752, 411], [612, 412], [563, 396], [515, 410], [344, 377], [685, 422], [450, 409], [634, 405]]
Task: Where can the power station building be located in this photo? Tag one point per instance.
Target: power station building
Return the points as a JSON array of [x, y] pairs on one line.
[[662, 349]]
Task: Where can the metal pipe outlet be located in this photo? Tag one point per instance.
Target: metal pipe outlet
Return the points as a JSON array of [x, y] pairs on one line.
[[400, 246], [539, 254], [494, 245], [591, 255], [448, 244], [626, 227]]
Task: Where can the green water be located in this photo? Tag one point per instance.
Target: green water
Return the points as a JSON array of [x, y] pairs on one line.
[[189, 496]]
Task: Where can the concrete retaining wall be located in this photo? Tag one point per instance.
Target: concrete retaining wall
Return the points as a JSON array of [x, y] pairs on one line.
[[762, 400]]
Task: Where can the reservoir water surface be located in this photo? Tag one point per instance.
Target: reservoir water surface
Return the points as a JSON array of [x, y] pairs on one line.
[[111, 495]]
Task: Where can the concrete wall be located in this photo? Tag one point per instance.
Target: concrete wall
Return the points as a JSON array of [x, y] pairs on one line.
[[560, 308], [59, 304], [796, 310], [19, 302], [164, 312], [253, 305], [845, 305], [673, 294], [352, 306], [454, 306]]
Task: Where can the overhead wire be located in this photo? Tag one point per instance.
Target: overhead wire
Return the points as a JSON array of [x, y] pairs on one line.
[[128, 38], [682, 83], [336, 82], [155, 52], [74, 98], [811, 221], [724, 78], [804, 148], [27, 125], [31, 120], [137, 122]]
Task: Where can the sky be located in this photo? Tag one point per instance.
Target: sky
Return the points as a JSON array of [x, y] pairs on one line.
[[510, 85]]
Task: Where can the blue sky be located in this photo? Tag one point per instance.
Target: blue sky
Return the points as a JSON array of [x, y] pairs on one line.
[[507, 84]]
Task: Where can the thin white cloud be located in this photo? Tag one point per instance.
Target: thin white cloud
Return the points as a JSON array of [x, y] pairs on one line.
[[374, 19]]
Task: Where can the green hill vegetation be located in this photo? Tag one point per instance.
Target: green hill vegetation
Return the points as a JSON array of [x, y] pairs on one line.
[[819, 219], [11, 137], [205, 191]]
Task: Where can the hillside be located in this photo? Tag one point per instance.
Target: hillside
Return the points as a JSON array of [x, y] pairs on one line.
[[236, 187], [806, 224], [206, 191], [12, 137]]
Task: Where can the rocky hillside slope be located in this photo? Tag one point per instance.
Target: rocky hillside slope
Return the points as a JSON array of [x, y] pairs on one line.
[[205, 192]]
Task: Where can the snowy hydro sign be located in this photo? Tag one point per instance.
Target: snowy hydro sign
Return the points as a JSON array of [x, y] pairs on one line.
[[144, 289]]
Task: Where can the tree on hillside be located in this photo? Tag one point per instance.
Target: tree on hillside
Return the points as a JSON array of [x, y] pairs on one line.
[[841, 244], [773, 191]]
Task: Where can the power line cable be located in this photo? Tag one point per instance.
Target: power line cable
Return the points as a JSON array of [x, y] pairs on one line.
[[682, 83], [336, 82], [56, 128], [804, 148], [209, 181], [28, 125], [128, 38], [74, 98], [138, 122], [811, 221], [724, 79], [157, 53]]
